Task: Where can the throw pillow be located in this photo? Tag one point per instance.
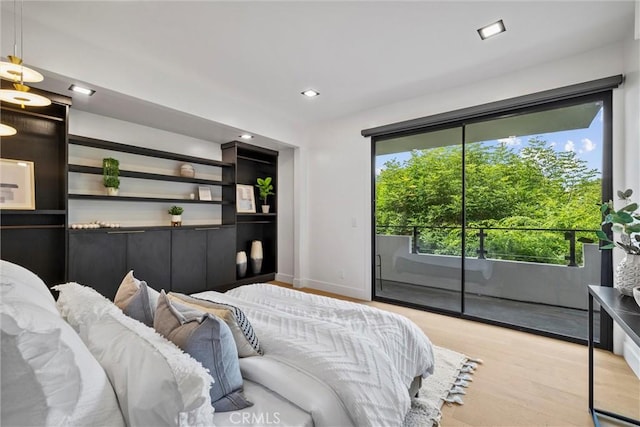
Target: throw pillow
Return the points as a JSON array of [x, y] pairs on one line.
[[49, 376], [156, 383], [244, 336], [136, 299], [208, 340]]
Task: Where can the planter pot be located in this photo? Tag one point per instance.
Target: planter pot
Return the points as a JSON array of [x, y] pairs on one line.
[[256, 256], [265, 208], [112, 191], [176, 220], [627, 274], [241, 264]]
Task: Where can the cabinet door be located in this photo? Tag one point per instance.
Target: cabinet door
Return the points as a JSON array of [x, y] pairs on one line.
[[188, 261], [98, 260], [149, 256], [221, 257]]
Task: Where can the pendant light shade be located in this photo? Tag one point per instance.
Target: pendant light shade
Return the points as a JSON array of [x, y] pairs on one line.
[[23, 97], [16, 72], [6, 130]]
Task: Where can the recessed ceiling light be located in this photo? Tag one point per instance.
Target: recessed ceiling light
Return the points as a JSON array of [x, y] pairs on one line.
[[310, 93], [82, 90], [246, 136], [492, 30]]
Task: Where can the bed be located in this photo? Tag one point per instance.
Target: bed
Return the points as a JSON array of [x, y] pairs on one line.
[[280, 357]]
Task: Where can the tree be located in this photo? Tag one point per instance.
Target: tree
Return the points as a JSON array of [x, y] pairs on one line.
[[535, 187]]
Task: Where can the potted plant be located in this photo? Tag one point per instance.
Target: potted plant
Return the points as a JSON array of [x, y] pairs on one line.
[[266, 189], [110, 174], [626, 223], [176, 215]]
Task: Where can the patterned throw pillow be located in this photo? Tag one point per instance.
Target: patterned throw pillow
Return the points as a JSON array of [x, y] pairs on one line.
[[245, 337], [207, 339]]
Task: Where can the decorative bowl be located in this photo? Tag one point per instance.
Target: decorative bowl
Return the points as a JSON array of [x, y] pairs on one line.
[[636, 295], [187, 170]]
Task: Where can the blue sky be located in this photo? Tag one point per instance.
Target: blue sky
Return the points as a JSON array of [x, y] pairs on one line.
[[586, 143]]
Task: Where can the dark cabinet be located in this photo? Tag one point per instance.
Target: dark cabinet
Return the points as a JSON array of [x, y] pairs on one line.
[[202, 259], [188, 261], [98, 260], [149, 256], [221, 257], [101, 259]]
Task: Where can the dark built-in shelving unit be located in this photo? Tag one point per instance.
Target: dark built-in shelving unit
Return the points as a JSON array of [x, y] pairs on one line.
[[188, 259], [36, 239], [252, 163]]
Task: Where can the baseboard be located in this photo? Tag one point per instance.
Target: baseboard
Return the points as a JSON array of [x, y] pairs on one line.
[[631, 354], [286, 278], [333, 288]]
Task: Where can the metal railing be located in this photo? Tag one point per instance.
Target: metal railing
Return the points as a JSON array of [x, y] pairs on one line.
[[483, 235]]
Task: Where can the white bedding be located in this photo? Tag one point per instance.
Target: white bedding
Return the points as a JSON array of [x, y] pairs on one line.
[[364, 356]]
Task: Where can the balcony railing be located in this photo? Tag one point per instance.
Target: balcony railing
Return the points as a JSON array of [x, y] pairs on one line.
[[479, 242]]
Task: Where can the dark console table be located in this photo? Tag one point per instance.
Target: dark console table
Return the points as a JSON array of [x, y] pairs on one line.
[[626, 313]]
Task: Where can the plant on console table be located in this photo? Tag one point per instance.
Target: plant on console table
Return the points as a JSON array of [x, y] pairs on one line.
[[626, 223], [176, 216], [266, 189], [110, 175]]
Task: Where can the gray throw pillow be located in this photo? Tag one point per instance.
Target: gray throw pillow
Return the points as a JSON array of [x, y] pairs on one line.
[[208, 340]]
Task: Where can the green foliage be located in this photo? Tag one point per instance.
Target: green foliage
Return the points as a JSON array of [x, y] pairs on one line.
[[536, 187], [625, 221], [111, 181], [110, 172], [175, 210], [265, 188]]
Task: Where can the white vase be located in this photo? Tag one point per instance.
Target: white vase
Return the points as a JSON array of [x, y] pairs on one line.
[[256, 256], [241, 264], [627, 274], [176, 220], [265, 208], [112, 191]]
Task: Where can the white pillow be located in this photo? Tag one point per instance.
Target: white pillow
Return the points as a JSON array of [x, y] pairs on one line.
[[49, 377], [19, 284], [156, 383]]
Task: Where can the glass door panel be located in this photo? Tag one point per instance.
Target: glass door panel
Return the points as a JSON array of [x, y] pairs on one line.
[[532, 185], [418, 219]]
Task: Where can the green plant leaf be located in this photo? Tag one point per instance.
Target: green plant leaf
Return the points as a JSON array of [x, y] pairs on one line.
[[621, 218], [608, 246], [630, 208], [633, 228], [604, 208]]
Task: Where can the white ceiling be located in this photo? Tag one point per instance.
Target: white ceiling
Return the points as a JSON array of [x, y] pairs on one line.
[[358, 54]]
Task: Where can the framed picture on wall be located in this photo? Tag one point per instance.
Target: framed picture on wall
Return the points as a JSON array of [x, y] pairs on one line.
[[245, 199], [17, 185], [204, 193]]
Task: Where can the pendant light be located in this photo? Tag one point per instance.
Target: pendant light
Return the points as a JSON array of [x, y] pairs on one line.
[[17, 73], [6, 130]]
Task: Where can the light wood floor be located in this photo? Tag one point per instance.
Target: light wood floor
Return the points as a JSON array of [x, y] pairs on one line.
[[525, 380]]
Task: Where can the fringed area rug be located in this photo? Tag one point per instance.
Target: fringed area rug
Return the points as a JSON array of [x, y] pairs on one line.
[[450, 378]]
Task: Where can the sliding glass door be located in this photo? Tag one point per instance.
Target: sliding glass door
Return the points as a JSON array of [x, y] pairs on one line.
[[494, 217], [418, 244]]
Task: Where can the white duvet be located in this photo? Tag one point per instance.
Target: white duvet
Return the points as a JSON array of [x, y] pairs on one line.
[[366, 357]]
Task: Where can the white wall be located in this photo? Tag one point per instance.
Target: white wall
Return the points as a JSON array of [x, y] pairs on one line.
[[338, 249], [628, 173]]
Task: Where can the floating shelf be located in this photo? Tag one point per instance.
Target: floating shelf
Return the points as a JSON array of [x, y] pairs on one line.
[[123, 148], [33, 212], [144, 175], [145, 199]]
